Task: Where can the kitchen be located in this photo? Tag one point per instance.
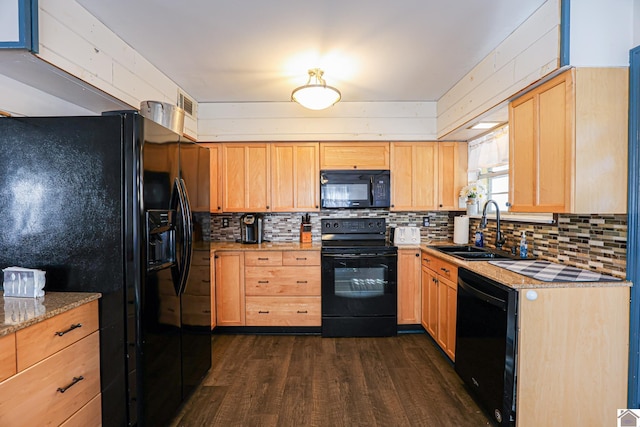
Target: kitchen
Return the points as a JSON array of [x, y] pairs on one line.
[[209, 120]]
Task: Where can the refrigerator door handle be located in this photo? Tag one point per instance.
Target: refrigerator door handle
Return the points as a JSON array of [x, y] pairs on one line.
[[188, 236], [179, 271]]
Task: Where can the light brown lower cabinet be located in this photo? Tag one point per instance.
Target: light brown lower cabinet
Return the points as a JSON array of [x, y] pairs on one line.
[[409, 292], [573, 350], [439, 299], [268, 288], [229, 267], [58, 372]]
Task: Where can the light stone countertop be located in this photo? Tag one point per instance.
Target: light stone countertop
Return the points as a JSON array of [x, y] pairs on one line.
[[19, 313], [267, 246], [515, 280], [501, 275]]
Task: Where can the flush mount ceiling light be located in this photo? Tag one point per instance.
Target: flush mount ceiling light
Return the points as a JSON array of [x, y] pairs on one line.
[[316, 95]]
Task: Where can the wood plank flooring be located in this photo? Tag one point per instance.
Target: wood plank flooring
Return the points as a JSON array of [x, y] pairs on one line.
[[306, 380]]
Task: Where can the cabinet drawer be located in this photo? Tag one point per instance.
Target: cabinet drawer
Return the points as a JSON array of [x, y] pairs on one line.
[[301, 258], [90, 415], [283, 311], [263, 258], [447, 270], [49, 336], [429, 261], [33, 397], [282, 280], [7, 356]]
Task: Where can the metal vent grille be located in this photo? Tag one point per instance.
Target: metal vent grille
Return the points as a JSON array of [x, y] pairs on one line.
[[185, 103]]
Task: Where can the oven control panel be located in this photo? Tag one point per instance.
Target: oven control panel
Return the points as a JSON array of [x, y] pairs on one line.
[[353, 226]]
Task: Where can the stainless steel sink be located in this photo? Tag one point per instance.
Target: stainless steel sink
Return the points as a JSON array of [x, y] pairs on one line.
[[458, 249], [473, 253]]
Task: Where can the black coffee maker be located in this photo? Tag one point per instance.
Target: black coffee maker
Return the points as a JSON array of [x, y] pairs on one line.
[[252, 228]]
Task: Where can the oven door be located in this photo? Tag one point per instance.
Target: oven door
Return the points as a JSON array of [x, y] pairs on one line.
[[359, 284]]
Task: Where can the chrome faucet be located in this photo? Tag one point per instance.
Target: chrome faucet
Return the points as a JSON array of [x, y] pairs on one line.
[[483, 223]]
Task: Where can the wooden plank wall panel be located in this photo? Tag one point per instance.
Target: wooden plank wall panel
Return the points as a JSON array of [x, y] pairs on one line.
[[286, 121], [528, 54], [75, 41]]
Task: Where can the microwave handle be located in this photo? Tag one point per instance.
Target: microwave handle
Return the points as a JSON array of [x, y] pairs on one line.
[[371, 191]]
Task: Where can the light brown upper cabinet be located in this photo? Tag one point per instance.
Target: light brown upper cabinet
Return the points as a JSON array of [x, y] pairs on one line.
[[414, 176], [568, 144], [427, 175], [196, 173], [452, 173], [350, 155], [245, 177], [294, 177], [215, 181]]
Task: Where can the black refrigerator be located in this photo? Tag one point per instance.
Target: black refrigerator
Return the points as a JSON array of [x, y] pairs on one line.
[[117, 204]]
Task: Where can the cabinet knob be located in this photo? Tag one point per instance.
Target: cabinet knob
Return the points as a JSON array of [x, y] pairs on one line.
[[267, 207], [508, 203], [417, 255]]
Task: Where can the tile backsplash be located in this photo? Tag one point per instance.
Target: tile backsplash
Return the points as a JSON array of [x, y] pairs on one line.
[[286, 227], [595, 242], [591, 242]]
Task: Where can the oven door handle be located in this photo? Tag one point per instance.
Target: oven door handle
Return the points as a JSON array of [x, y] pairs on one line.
[[365, 255]]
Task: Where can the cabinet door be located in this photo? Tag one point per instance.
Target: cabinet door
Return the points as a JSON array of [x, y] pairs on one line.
[[452, 173], [446, 332], [414, 176], [540, 129], [214, 311], [349, 155], [245, 176], [429, 301], [294, 177], [215, 180], [409, 310], [230, 304]]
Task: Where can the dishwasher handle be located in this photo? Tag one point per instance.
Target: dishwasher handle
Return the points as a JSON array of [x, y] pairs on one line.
[[490, 299]]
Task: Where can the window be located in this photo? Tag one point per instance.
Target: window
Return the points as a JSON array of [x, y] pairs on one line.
[[489, 165], [496, 181]]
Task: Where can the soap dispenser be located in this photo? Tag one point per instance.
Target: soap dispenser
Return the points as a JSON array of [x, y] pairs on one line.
[[523, 245]]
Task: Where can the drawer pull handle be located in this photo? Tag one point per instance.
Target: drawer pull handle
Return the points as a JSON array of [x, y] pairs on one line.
[[263, 281], [446, 270], [263, 259], [263, 312], [74, 326], [302, 311], [301, 281], [74, 382], [426, 259], [301, 259]]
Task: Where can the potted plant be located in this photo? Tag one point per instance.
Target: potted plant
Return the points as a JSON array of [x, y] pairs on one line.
[[474, 194]]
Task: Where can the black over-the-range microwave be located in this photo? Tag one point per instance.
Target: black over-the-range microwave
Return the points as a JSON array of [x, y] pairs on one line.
[[355, 188]]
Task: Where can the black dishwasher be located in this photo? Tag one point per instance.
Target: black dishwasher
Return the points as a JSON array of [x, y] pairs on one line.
[[486, 343]]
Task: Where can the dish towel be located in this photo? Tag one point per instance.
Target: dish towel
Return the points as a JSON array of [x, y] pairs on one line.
[[551, 272]]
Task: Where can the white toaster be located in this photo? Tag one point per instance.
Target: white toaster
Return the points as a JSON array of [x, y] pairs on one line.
[[406, 236]]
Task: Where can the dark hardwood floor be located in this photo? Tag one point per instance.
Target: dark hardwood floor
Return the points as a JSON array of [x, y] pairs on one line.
[[306, 380]]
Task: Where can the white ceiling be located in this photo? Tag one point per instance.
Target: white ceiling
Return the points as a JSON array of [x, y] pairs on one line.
[[259, 50]]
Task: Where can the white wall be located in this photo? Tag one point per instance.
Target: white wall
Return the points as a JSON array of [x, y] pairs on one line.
[[76, 42], [20, 99], [528, 54], [345, 121], [602, 32]]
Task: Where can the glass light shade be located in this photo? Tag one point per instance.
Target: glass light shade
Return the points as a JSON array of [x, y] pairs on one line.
[[315, 96]]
